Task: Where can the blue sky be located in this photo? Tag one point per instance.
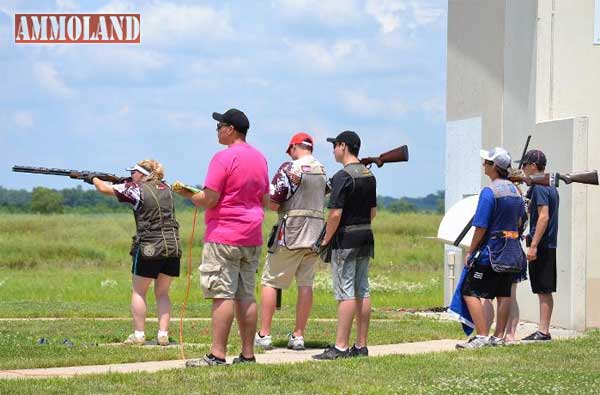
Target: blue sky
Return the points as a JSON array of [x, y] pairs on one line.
[[377, 67]]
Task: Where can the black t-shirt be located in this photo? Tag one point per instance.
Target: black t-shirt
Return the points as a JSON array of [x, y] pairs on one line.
[[355, 196]]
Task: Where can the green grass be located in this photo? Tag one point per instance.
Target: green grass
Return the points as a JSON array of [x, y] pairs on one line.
[[560, 367], [19, 348], [78, 266]]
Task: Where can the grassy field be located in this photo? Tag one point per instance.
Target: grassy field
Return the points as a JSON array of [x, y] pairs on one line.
[[78, 266]]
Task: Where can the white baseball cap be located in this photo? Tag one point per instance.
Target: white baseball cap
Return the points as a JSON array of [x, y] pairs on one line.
[[139, 168], [499, 156]]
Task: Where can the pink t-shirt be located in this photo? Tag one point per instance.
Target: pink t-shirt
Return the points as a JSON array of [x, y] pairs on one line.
[[239, 173]]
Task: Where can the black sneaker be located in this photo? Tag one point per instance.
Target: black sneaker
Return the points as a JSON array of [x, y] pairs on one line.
[[332, 353], [359, 352], [243, 359], [207, 360], [536, 337]]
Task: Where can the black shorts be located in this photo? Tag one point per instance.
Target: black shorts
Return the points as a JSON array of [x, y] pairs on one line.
[[483, 282], [542, 271], [152, 268]]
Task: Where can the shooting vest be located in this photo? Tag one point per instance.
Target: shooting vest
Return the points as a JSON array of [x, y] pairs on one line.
[[301, 216], [157, 229]]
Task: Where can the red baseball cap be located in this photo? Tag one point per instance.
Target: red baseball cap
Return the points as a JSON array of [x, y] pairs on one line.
[[300, 138]]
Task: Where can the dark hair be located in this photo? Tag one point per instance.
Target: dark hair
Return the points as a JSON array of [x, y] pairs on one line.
[[502, 173], [304, 146], [352, 149], [540, 167]]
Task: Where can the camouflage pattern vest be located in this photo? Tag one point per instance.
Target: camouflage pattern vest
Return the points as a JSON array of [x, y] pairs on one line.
[[157, 229], [301, 216]]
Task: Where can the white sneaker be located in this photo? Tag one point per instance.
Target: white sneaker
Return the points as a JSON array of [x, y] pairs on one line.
[[265, 342], [475, 342], [496, 341], [163, 340], [295, 343], [133, 339]]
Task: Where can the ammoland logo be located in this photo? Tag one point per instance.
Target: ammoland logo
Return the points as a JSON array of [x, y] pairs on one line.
[[77, 28]]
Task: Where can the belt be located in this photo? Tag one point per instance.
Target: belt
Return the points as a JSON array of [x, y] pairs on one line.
[[350, 228], [505, 234]]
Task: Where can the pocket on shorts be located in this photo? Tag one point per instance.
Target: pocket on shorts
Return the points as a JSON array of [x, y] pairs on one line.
[[211, 276]]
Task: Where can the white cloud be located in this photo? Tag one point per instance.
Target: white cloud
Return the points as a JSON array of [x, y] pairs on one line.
[[358, 102], [188, 121], [325, 58], [329, 12], [49, 78], [23, 119], [403, 14], [67, 5]]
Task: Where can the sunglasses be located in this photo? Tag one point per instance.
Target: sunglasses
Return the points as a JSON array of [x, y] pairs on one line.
[[488, 162], [220, 125]]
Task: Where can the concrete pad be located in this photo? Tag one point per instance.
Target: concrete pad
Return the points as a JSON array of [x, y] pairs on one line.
[[274, 356]]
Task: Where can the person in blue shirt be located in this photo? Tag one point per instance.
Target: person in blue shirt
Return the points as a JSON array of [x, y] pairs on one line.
[[500, 211], [543, 233]]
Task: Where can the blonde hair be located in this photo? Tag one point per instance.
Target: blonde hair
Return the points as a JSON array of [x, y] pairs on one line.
[[157, 172]]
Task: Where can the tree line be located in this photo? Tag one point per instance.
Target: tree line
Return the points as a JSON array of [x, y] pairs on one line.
[[52, 201]]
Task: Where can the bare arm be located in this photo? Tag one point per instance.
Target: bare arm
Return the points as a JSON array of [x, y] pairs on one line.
[[206, 198], [103, 187], [373, 212], [540, 228], [272, 205], [333, 221], [477, 239]]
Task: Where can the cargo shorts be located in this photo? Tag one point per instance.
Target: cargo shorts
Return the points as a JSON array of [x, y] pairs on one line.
[[282, 266], [228, 272], [350, 273]]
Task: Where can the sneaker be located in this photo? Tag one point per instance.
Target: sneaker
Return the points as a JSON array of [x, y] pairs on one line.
[[474, 342], [332, 353], [133, 339], [243, 359], [359, 352], [265, 342], [496, 341], [536, 337], [163, 340], [207, 360], [295, 342]]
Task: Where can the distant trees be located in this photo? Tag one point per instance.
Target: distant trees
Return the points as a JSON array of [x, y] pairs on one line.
[[46, 201]]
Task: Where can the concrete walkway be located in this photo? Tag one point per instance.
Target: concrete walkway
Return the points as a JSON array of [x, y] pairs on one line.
[[275, 356]]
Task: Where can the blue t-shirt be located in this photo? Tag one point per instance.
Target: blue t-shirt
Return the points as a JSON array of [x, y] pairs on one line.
[[493, 215], [540, 195]]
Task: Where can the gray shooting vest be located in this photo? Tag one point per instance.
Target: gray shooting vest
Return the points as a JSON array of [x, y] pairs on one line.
[[301, 216], [157, 229]]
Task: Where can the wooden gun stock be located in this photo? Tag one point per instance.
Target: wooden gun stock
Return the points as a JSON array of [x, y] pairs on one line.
[[399, 154], [580, 177]]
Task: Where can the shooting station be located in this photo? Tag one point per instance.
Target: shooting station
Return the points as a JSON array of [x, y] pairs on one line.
[[519, 68]]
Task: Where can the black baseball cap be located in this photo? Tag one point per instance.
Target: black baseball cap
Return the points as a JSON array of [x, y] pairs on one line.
[[349, 137], [535, 156], [235, 118]]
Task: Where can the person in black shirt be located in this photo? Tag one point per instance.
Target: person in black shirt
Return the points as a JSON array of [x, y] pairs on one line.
[[543, 233], [352, 206]]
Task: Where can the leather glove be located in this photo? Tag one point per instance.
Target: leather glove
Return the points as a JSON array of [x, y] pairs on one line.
[[89, 178]]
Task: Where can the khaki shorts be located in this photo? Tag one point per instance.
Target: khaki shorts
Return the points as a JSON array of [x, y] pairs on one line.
[[281, 267], [228, 272]]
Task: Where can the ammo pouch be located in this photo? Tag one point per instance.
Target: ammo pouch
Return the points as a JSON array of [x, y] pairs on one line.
[[325, 253], [509, 257], [272, 244], [155, 247]]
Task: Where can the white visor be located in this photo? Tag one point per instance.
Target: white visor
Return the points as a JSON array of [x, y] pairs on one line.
[[140, 169]]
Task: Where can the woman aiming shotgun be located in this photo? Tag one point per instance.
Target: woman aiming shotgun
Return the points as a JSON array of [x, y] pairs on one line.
[[156, 248]]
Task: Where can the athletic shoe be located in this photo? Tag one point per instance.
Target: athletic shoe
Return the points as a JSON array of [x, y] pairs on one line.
[[207, 360], [332, 353], [359, 352], [474, 342], [162, 340], [295, 342], [243, 359], [537, 337], [496, 341], [265, 342], [133, 339]]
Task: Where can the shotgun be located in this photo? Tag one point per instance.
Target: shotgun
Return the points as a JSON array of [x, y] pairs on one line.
[[399, 154], [75, 174]]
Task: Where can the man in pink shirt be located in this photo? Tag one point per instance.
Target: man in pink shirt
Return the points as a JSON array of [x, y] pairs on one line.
[[235, 191]]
